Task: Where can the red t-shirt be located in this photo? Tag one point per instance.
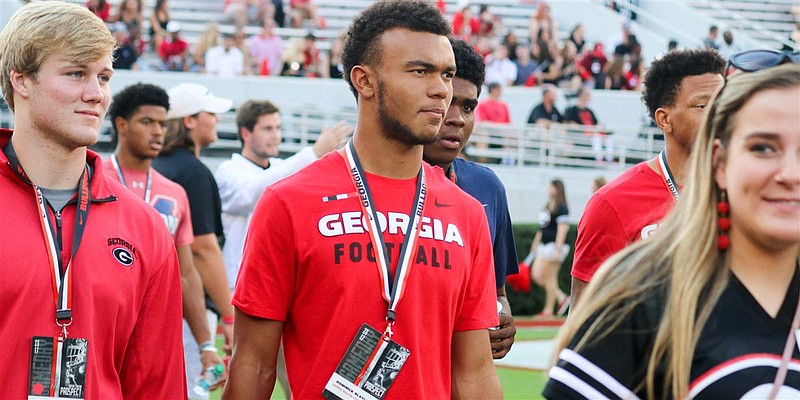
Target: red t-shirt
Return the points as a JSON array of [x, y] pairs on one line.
[[102, 13], [309, 262], [169, 48], [472, 27], [492, 111], [166, 196], [621, 212]]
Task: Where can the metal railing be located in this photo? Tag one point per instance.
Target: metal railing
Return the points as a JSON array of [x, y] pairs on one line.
[[301, 126], [567, 146], [521, 146]]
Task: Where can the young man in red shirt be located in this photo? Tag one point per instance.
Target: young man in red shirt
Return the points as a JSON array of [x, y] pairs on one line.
[[678, 87], [173, 50], [371, 239], [91, 291]]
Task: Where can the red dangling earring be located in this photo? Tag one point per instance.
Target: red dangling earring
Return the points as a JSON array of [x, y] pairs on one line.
[[723, 221]]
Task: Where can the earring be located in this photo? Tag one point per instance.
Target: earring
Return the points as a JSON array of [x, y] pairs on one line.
[[723, 221]]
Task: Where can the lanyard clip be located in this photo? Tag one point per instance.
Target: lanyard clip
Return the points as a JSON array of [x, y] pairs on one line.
[[387, 334], [63, 336]]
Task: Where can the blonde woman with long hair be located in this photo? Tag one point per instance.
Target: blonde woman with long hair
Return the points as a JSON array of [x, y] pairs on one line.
[[708, 307], [208, 40]]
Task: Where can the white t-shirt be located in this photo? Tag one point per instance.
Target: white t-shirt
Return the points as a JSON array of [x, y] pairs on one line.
[[241, 183], [223, 63]]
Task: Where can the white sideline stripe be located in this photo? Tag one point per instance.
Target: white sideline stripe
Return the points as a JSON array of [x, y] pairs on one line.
[[597, 373], [746, 362], [574, 383]]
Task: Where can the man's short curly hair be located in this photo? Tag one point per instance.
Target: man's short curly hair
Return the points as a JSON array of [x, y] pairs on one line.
[[128, 100], [364, 35], [663, 80], [469, 64]]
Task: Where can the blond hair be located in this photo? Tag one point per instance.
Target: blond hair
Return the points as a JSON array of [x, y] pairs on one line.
[[682, 261], [177, 136], [208, 39], [39, 30]]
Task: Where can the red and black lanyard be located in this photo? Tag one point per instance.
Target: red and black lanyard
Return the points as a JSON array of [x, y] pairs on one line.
[[60, 276]]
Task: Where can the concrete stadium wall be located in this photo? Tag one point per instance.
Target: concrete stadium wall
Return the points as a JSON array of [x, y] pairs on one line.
[[526, 187], [622, 111]]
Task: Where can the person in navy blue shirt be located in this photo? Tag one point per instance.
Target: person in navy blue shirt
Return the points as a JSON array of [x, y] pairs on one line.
[[478, 181]]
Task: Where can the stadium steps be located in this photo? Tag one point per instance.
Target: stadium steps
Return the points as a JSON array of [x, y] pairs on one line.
[[194, 15], [767, 18]]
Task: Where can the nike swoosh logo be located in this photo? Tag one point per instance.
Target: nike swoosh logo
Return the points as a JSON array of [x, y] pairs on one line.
[[437, 204]]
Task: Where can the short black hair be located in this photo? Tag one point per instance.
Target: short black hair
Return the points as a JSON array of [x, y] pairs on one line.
[[673, 44], [469, 64], [364, 34], [663, 79], [128, 100]]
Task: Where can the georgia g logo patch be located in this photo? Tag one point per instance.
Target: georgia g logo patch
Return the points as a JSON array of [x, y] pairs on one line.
[[123, 251], [123, 256]]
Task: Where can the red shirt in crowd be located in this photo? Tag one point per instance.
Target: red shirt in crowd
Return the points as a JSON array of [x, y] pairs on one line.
[[493, 111]]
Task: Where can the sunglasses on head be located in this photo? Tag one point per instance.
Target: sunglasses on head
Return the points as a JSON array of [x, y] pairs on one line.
[[756, 60], [753, 61]]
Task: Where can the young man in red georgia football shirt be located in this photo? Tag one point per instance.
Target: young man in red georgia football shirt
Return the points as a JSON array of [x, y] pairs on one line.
[[370, 239]]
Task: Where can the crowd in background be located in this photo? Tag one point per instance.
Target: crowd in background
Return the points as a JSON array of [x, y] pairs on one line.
[[163, 47], [562, 62], [661, 316], [548, 55]]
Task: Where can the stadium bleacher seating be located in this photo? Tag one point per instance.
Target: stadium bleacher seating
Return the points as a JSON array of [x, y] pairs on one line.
[[774, 15]]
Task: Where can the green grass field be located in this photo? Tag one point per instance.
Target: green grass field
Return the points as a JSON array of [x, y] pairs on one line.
[[517, 383]]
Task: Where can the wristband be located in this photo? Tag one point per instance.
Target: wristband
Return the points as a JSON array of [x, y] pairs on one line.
[[207, 346], [227, 320]]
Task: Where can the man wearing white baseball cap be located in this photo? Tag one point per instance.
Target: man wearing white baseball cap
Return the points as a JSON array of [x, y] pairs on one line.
[[191, 126]]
